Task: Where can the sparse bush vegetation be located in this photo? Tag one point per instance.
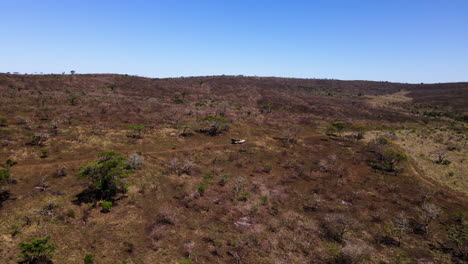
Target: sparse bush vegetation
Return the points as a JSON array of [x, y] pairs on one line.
[[264, 205]]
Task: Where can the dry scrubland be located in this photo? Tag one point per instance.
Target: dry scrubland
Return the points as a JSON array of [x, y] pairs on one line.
[[332, 171]]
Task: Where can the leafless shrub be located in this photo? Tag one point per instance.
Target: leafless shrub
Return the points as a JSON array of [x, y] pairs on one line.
[[313, 203], [441, 157], [167, 215], [60, 172], [48, 209], [354, 253], [289, 135], [188, 248], [180, 167], [38, 139], [238, 184], [135, 162]]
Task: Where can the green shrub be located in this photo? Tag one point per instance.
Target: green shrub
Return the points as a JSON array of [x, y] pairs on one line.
[[214, 125], [266, 108], [137, 129], [4, 176], [178, 101], [392, 158], [267, 168], [202, 187], [462, 118], [337, 127], [39, 250], [199, 104], [44, 153], [383, 141], [208, 176], [186, 261], [264, 200], [88, 259], [106, 206], [3, 121], [106, 175]]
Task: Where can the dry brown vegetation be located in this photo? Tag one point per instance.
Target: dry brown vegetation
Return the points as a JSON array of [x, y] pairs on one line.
[[321, 179]]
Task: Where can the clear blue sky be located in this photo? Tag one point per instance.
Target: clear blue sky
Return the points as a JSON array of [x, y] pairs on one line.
[[394, 40]]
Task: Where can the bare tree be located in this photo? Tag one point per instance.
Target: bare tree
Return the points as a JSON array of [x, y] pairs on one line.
[[428, 213]]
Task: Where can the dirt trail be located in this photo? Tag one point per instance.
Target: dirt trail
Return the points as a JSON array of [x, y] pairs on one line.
[[431, 182], [149, 154]]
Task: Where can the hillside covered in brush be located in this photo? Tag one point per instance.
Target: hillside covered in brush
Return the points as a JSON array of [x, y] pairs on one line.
[[105, 168]]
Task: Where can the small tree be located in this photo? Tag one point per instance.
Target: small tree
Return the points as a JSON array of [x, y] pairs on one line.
[[214, 125], [185, 127], [137, 129], [399, 227], [339, 127], [39, 250], [358, 131], [337, 225], [392, 158], [106, 175]]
